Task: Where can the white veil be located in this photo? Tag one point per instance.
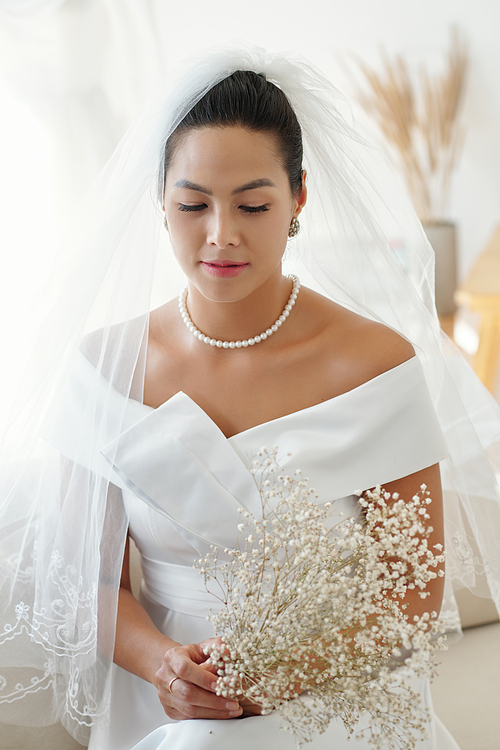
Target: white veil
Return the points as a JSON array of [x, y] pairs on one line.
[[62, 521]]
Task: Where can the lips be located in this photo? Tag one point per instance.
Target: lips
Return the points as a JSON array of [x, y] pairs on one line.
[[223, 263], [223, 268]]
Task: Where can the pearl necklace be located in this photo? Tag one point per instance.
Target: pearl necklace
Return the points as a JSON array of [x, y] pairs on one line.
[[246, 342]]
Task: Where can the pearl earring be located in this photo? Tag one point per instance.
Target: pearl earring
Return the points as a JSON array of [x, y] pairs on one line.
[[294, 228]]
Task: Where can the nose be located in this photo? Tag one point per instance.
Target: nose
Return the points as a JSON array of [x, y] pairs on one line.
[[222, 230]]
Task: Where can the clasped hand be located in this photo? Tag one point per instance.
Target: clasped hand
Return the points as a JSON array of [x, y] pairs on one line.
[[192, 692], [192, 695]]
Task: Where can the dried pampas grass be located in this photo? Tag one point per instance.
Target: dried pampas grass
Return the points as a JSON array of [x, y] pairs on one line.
[[424, 135]]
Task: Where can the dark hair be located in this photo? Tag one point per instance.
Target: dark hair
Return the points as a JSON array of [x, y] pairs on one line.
[[248, 100]]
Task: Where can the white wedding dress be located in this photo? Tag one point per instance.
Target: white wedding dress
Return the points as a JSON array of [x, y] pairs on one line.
[[183, 482]]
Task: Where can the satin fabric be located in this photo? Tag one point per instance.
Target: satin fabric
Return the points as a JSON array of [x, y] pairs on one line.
[[183, 482]]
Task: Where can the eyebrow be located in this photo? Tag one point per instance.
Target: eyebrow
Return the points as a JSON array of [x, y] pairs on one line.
[[263, 182]]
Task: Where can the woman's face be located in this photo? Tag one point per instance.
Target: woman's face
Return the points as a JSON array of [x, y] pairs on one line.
[[228, 206]]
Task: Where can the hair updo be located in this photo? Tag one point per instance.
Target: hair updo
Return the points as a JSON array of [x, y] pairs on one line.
[[248, 100]]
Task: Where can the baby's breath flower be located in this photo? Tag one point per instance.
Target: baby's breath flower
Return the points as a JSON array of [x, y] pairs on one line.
[[311, 605]]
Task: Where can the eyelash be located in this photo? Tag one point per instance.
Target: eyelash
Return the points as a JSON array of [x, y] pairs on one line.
[[246, 209], [183, 207], [255, 209]]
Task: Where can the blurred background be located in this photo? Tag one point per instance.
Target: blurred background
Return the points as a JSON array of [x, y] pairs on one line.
[[74, 72]]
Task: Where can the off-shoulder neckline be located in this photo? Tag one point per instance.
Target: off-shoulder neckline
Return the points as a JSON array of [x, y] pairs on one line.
[[306, 411]]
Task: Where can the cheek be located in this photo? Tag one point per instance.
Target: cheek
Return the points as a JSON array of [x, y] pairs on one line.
[[185, 232], [279, 227]]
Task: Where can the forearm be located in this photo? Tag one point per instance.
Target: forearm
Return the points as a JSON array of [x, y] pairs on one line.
[[414, 606], [139, 645]]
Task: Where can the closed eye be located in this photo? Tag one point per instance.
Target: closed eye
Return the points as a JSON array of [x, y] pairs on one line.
[[254, 209], [196, 207], [201, 206]]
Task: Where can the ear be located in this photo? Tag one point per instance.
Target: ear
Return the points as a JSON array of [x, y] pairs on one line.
[[301, 198]]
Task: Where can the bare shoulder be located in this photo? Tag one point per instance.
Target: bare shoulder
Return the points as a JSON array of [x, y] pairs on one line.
[[351, 347], [153, 335], [102, 342], [100, 347], [380, 345]]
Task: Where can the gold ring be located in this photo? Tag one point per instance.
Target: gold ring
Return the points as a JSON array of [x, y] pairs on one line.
[[171, 683]]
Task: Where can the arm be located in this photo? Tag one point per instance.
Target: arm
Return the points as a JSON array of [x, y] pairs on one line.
[[406, 488], [140, 648]]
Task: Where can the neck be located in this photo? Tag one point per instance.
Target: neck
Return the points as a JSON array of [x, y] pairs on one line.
[[241, 319]]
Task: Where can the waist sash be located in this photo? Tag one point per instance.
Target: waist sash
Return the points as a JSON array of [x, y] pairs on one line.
[[178, 588]]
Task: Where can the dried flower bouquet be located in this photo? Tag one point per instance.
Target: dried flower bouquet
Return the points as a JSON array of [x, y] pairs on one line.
[[314, 605], [423, 130]]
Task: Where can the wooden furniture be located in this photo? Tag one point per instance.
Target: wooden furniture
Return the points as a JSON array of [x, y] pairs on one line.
[[481, 292], [447, 323]]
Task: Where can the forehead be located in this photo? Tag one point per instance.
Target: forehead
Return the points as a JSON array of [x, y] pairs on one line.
[[232, 155]]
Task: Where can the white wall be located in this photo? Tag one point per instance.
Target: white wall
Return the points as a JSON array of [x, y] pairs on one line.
[[326, 31]]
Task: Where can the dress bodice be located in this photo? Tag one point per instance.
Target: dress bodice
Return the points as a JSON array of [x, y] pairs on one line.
[[183, 482], [191, 480]]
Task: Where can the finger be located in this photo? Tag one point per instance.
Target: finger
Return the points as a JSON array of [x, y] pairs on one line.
[[185, 663], [250, 709], [209, 667], [195, 712], [193, 703], [185, 693], [198, 712]]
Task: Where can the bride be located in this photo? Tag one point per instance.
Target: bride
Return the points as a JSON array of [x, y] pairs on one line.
[[156, 412]]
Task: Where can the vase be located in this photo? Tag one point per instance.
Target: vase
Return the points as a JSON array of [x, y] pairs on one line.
[[442, 237]]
